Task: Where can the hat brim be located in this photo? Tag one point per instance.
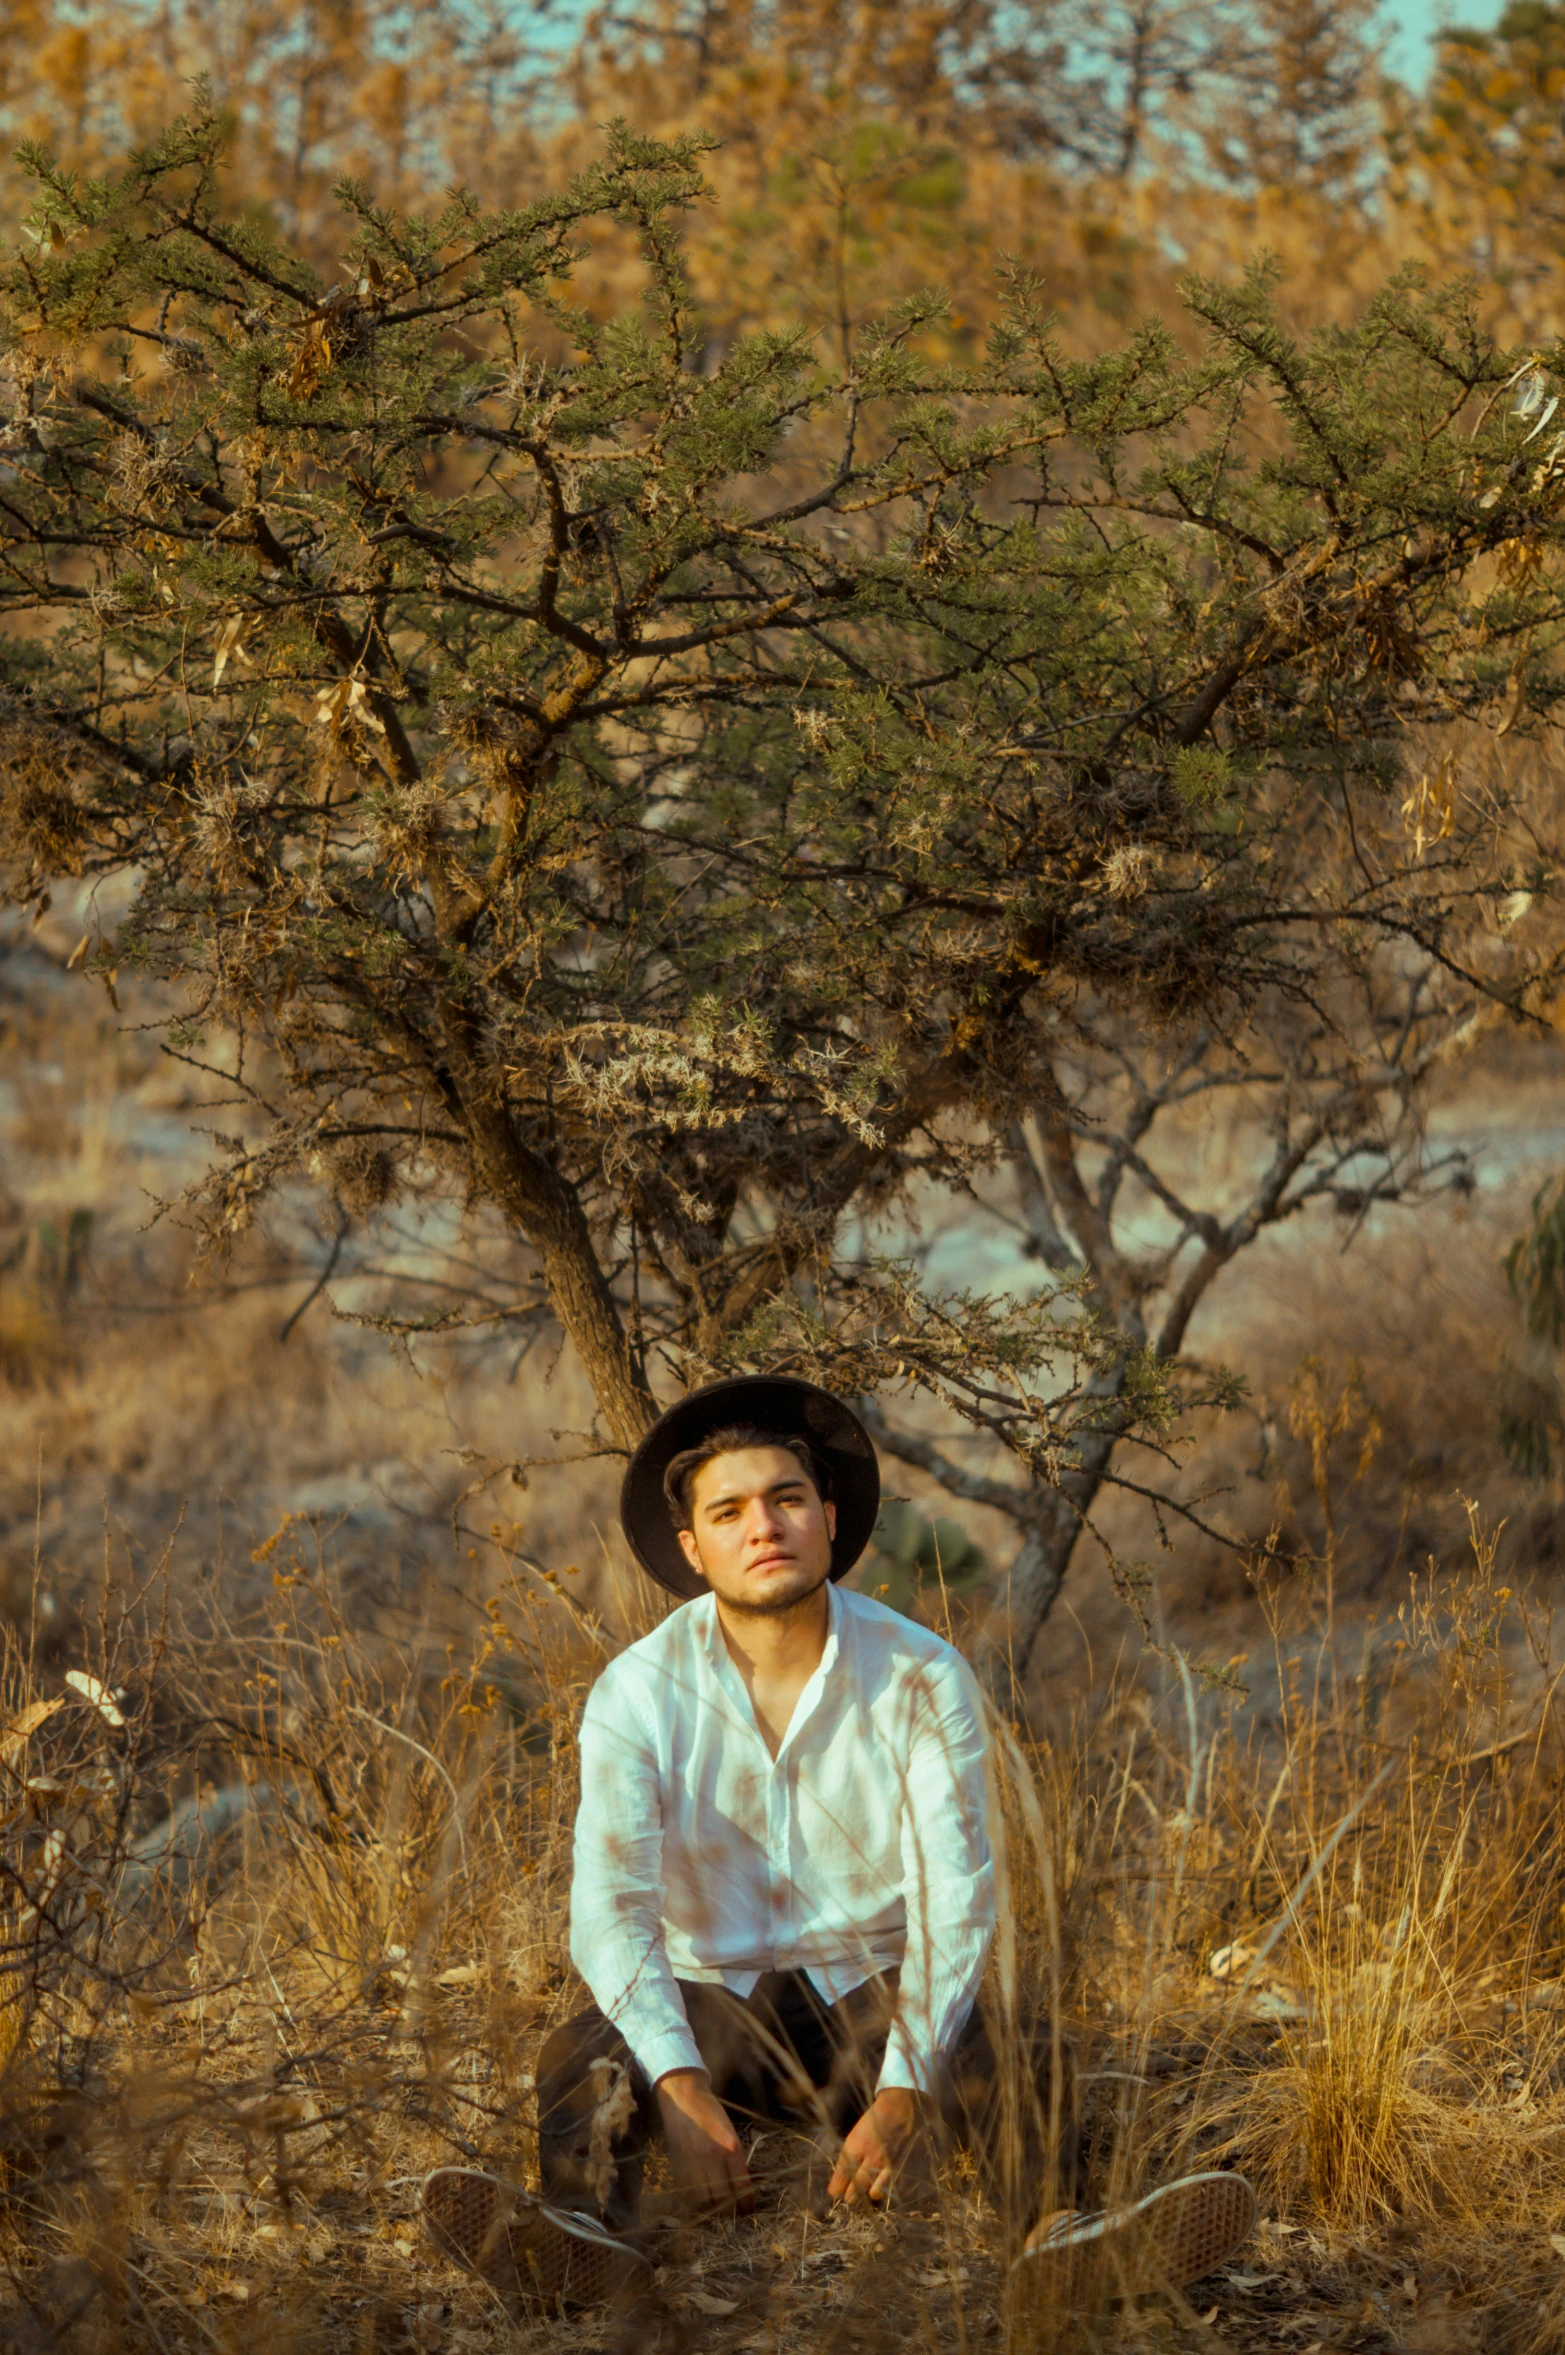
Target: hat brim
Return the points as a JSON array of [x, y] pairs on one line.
[[776, 1402]]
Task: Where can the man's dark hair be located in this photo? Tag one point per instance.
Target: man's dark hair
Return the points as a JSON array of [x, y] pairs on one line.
[[679, 1479]]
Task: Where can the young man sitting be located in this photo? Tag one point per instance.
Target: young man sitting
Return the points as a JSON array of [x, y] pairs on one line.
[[784, 1892]]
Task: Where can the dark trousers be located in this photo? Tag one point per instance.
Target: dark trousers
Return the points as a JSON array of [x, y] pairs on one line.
[[779, 2055]]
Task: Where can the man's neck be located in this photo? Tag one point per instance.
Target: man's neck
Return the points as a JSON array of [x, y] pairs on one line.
[[776, 1653], [777, 1643]]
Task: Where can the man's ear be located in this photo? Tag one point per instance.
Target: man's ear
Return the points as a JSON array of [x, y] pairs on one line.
[[830, 1511], [687, 1539]]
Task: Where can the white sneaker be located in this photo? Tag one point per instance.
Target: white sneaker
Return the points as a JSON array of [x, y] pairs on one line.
[[1175, 2235], [531, 2254]]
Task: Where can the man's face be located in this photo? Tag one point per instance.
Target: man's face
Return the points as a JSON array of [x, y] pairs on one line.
[[760, 1535]]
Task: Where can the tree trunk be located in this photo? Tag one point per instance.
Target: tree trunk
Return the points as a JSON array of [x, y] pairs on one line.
[[1037, 1573], [534, 1196], [552, 1219]]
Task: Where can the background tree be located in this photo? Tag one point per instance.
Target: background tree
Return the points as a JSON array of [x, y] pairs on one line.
[[423, 96], [1112, 1186], [1477, 162], [1294, 106], [702, 808], [865, 151], [1100, 91]]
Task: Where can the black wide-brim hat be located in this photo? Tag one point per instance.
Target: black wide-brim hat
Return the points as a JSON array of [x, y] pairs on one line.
[[768, 1402]]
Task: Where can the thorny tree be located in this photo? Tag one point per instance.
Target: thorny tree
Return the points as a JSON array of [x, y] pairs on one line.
[[1151, 1164], [699, 805]]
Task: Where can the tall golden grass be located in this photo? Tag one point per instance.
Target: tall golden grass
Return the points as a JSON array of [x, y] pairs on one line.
[[290, 1931]]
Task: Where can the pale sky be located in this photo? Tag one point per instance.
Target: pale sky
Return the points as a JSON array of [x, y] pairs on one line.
[[1415, 24]]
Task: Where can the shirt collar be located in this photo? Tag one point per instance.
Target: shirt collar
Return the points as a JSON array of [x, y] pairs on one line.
[[814, 1692], [704, 1615], [834, 1622]]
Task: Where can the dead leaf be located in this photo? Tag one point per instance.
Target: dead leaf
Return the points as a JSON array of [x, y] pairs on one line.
[[358, 708], [704, 2303], [1250, 2281], [1516, 701], [311, 359], [52, 1859], [1228, 1960], [90, 1689], [613, 2108], [1429, 812], [461, 1975], [1518, 560], [1278, 2003], [16, 1735], [228, 644], [346, 699], [1548, 412], [1557, 2243]]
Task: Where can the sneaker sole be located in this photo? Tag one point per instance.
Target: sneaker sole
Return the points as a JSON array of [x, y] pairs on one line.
[[1172, 2237], [528, 2253]]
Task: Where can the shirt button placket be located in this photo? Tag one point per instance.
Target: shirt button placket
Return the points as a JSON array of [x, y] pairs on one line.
[[777, 1861]]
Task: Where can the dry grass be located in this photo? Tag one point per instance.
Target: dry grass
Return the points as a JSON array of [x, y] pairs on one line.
[[226, 2070]]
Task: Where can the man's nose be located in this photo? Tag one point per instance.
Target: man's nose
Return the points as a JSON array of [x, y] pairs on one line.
[[764, 1521]]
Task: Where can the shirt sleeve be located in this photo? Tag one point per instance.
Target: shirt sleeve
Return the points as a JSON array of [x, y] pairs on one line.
[[617, 1884], [948, 1875]]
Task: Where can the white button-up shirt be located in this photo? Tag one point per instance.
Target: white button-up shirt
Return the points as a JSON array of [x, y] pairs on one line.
[[862, 1846]]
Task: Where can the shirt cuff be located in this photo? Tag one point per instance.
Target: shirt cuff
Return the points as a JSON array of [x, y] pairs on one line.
[[903, 2067], [669, 2048]]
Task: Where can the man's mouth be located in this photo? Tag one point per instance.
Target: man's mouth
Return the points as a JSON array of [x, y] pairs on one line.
[[772, 1562]]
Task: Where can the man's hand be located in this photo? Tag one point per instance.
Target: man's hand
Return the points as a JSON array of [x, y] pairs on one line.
[[704, 2153], [876, 2148]]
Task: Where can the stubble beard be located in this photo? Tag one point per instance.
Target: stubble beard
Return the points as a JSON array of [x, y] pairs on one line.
[[773, 1607]]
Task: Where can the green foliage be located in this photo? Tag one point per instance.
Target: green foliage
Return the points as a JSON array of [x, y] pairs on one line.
[[913, 1561], [1203, 775], [676, 794], [1532, 1414], [1535, 1267]]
